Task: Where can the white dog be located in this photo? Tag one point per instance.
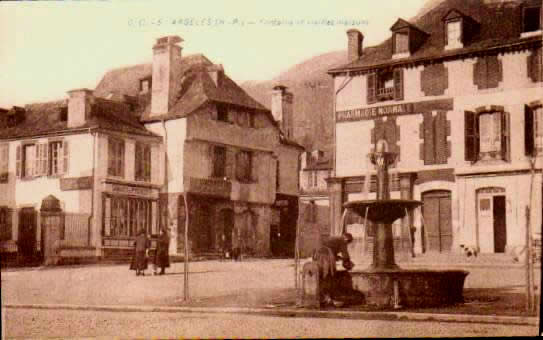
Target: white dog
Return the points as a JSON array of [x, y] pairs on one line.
[[469, 251]]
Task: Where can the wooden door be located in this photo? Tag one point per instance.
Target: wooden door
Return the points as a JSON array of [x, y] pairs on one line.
[[500, 234], [27, 242], [437, 226]]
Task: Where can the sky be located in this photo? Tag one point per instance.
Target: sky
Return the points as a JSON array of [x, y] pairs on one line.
[[50, 47]]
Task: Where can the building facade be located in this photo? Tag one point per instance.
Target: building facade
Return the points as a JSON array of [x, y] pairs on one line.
[[149, 144], [457, 95]]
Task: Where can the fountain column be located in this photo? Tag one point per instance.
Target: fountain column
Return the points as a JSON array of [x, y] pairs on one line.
[[383, 247]]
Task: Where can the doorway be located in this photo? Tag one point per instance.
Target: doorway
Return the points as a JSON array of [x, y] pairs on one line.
[[437, 227], [500, 233], [27, 240], [491, 220], [227, 218]]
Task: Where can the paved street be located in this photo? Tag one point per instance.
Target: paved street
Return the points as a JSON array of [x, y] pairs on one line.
[[58, 323], [254, 283]]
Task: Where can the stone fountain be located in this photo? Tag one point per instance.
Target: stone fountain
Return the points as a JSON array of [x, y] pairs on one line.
[[384, 283]]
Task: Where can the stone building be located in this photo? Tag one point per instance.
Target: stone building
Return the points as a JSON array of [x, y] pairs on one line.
[[457, 95], [131, 154]]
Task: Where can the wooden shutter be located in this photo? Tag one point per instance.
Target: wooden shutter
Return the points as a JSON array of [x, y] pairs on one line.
[[471, 136], [65, 157], [4, 163], [421, 144], [254, 166], [398, 84], [494, 72], [230, 163], [479, 73], [446, 33], [429, 142], [18, 162], [371, 88], [147, 163], [440, 137], [505, 137], [529, 143], [138, 161]]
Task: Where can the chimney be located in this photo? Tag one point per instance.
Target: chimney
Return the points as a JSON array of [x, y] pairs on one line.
[[281, 108], [166, 52], [79, 106], [216, 72], [354, 47]]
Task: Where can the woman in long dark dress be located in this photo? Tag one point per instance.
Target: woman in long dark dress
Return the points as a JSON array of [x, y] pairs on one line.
[[139, 261], [162, 259]]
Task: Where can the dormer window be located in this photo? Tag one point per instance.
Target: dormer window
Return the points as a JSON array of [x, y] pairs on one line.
[[406, 39], [531, 20], [459, 29], [145, 85]]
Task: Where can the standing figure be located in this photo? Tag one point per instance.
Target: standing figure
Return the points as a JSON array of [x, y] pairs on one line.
[[326, 257], [139, 261], [162, 258]]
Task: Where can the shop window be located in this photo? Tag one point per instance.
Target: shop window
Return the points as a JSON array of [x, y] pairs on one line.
[[219, 161], [533, 132], [487, 136], [125, 216], [115, 157], [143, 162], [384, 86], [244, 166], [531, 19], [5, 224], [487, 72], [435, 149], [4, 162]]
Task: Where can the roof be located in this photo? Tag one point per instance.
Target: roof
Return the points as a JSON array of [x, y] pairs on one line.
[[500, 25], [44, 118], [193, 88]]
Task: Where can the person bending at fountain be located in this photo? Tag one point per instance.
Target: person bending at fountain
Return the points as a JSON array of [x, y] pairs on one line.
[[332, 250]]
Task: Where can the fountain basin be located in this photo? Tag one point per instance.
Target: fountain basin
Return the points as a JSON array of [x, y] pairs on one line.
[[414, 287], [382, 211]]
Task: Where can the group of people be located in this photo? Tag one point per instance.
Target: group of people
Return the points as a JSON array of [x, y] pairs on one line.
[[141, 253]]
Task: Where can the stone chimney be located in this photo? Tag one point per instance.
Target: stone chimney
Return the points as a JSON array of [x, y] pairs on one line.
[[166, 53], [281, 108], [216, 72], [354, 47], [79, 107]]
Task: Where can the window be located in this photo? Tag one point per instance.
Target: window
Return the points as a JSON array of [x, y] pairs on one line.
[[487, 136], [55, 151], [4, 162], [535, 71], [487, 72], [454, 34], [401, 41], [533, 132], [244, 166], [222, 113], [29, 154], [385, 85], [124, 216], [219, 161], [531, 19], [315, 178], [115, 157], [145, 85], [143, 162], [42, 159], [434, 131], [5, 224]]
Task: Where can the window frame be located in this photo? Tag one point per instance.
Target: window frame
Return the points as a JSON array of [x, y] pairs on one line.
[[474, 138], [524, 18], [4, 162], [405, 35], [244, 172], [116, 157], [219, 169], [143, 162], [448, 25]]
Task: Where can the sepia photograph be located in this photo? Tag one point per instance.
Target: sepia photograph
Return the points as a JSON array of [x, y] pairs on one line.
[[271, 169]]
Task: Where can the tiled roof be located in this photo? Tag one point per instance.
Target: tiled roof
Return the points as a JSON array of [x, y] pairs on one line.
[[44, 118], [193, 88], [500, 25]]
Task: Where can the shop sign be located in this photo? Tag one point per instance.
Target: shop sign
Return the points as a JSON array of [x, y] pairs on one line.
[[210, 186], [125, 189], [76, 183]]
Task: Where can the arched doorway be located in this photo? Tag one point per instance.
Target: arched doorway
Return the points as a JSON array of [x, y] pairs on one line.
[[437, 227]]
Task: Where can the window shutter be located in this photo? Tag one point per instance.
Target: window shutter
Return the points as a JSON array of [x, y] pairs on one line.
[[446, 33], [230, 163], [138, 160], [471, 137], [147, 163], [440, 135], [429, 142], [9, 225], [494, 71], [37, 159], [18, 162], [4, 163], [254, 167], [239, 166], [506, 143], [398, 84], [529, 145], [479, 73], [65, 158], [371, 87], [46, 167]]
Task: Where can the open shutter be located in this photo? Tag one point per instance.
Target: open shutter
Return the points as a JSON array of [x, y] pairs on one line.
[[65, 158], [529, 146], [254, 167], [398, 84], [429, 142], [506, 139], [471, 136], [371, 88], [230, 163], [46, 160], [18, 162], [440, 135], [4, 163], [138, 157], [239, 166]]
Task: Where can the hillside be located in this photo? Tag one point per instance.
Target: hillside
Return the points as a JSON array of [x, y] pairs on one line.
[[313, 92]]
